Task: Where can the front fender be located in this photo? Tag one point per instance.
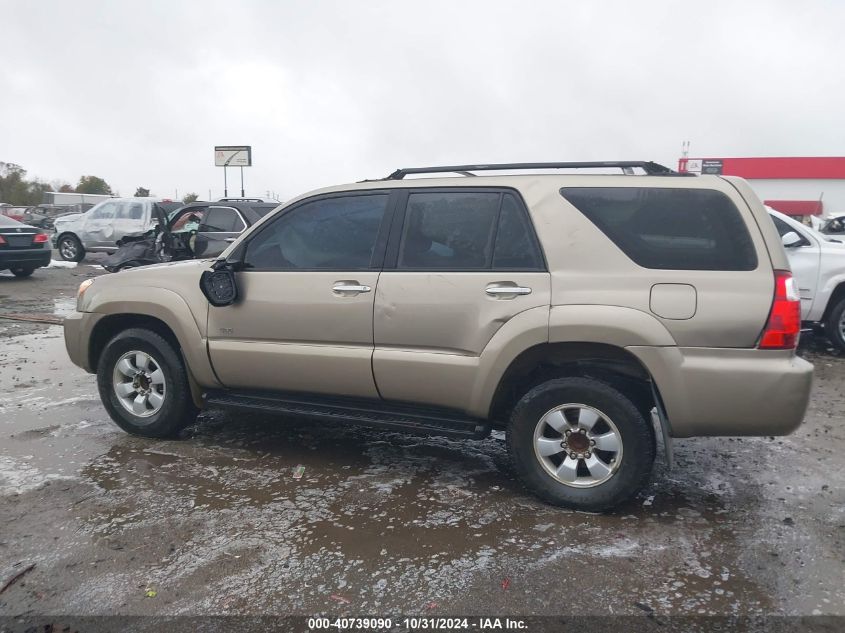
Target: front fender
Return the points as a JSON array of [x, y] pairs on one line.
[[168, 307], [827, 286]]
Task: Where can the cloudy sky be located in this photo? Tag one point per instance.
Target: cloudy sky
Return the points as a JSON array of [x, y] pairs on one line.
[[326, 92]]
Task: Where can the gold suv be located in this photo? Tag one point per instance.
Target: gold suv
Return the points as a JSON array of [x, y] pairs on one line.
[[578, 311]]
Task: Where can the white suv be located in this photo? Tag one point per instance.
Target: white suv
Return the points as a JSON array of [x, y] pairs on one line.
[[818, 267]]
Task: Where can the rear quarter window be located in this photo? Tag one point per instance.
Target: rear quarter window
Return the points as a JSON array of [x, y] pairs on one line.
[[669, 229]]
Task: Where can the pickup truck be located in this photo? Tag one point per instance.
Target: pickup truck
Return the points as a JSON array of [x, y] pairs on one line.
[[818, 267]]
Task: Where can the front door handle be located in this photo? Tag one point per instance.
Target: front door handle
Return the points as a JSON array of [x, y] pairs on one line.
[[500, 291], [229, 240], [350, 287]]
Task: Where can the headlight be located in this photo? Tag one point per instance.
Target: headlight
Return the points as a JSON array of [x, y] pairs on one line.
[[81, 292]]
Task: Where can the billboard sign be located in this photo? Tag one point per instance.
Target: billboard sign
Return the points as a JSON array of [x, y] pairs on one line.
[[233, 156], [711, 166]]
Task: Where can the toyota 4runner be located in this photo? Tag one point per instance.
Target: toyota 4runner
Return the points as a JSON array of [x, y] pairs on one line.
[[577, 311]]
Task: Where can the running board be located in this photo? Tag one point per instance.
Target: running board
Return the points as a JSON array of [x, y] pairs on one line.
[[398, 417]]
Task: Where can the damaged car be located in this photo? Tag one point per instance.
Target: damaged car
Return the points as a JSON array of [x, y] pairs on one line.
[[196, 230]]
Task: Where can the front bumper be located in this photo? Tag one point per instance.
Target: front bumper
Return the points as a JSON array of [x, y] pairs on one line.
[[78, 327], [715, 391], [29, 257]]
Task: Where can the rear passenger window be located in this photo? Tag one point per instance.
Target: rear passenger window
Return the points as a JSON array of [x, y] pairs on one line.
[[669, 229], [222, 220], [449, 230], [516, 248], [132, 211]]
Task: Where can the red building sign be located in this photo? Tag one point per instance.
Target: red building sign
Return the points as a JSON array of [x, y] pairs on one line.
[[772, 177]]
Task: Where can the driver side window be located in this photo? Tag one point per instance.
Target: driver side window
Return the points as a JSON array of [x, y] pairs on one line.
[[327, 234], [105, 211]]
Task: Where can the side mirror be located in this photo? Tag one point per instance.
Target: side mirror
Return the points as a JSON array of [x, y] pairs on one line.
[[219, 287], [791, 239]]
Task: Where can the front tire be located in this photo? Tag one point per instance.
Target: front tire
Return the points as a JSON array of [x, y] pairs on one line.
[[834, 325], [144, 385], [70, 248], [581, 444], [22, 272]]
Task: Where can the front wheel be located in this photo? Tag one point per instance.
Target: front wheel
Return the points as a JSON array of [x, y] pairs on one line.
[[144, 385], [70, 248], [580, 443], [834, 325]]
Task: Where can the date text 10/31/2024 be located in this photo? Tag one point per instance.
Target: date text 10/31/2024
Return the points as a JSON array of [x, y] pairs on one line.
[[417, 624]]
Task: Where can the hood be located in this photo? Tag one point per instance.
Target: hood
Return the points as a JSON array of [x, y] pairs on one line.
[[831, 246], [176, 281], [166, 268], [69, 217]]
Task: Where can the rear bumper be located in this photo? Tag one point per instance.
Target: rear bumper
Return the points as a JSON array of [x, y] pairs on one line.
[[34, 257], [78, 327], [710, 391]]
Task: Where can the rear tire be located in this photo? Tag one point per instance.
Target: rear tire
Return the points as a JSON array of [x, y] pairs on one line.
[[834, 325], [143, 385], [601, 456], [70, 248], [22, 272]]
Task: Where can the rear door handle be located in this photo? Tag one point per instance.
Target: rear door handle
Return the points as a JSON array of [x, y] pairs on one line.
[[498, 291], [230, 239], [350, 287]]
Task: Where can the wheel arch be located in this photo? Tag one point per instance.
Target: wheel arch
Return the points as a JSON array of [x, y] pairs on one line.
[[602, 361], [191, 349], [835, 297], [66, 233], [112, 324]]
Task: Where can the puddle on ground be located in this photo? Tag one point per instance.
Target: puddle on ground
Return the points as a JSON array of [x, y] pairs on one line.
[[380, 520]]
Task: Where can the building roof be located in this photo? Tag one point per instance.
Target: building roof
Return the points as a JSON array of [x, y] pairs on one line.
[[796, 207], [776, 168]]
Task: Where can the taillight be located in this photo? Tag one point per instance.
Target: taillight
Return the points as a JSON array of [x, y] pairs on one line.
[[40, 238], [784, 323], [2, 240]]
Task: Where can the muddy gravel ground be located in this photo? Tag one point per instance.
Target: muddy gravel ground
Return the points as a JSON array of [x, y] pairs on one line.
[[94, 521]]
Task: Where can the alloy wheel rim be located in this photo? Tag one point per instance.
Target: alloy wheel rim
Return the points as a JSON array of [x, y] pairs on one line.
[[139, 384], [578, 445], [67, 248]]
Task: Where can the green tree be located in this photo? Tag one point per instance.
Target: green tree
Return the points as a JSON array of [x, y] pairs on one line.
[[12, 183], [66, 188], [93, 184], [141, 192], [17, 190], [191, 197]]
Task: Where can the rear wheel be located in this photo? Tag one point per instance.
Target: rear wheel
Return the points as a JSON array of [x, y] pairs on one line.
[[834, 325], [22, 272], [580, 443], [144, 386], [70, 248]]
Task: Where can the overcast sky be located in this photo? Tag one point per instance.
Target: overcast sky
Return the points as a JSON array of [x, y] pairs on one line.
[[327, 92]]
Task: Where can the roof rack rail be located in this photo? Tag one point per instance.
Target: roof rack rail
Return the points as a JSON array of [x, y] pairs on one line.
[[627, 166]]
